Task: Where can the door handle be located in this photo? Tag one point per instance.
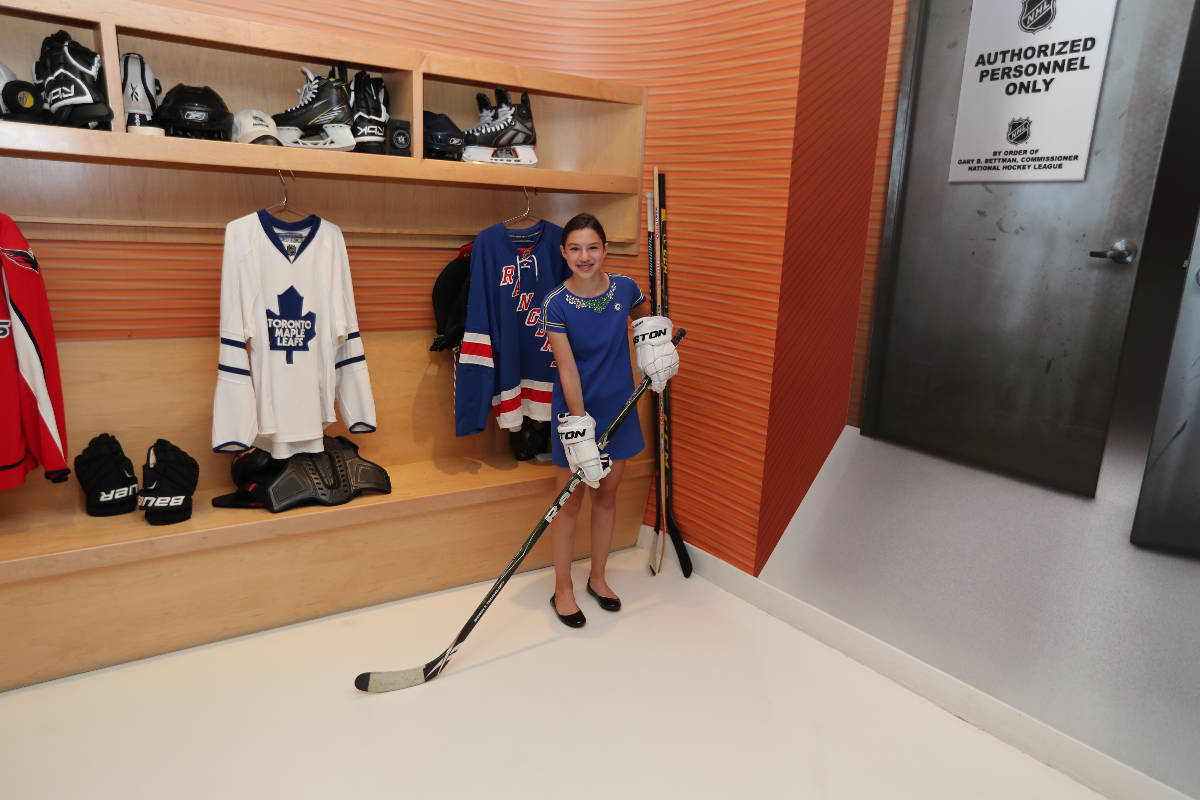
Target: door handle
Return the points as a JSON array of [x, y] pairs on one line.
[[1121, 252]]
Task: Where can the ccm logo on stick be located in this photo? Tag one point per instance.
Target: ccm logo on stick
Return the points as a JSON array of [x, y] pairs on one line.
[[161, 502], [118, 494]]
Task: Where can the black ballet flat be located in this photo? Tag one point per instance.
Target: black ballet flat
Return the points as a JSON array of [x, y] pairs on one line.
[[607, 603], [575, 620]]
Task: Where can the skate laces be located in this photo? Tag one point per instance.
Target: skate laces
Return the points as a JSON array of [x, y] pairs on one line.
[[308, 91], [492, 119], [502, 115]]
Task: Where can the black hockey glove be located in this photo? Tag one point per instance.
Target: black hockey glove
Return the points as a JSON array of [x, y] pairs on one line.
[[169, 479], [106, 475]]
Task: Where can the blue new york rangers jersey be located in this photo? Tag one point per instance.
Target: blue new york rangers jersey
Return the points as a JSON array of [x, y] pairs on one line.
[[506, 367], [289, 335]]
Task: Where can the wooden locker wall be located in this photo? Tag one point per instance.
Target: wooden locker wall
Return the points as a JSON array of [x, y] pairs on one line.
[[720, 120]]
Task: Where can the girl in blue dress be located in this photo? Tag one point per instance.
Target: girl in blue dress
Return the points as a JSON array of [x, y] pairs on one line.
[[586, 323]]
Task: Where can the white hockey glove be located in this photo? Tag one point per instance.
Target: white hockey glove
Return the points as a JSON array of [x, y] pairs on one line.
[[578, 436], [656, 356]]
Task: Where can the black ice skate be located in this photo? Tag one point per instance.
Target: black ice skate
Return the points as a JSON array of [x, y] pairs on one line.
[[322, 118], [71, 83], [509, 136], [369, 101]]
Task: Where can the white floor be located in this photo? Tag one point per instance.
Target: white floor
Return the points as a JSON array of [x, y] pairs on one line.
[[687, 692]]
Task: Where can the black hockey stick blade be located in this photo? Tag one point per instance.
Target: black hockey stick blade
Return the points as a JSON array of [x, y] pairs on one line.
[[681, 552], [390, 681]]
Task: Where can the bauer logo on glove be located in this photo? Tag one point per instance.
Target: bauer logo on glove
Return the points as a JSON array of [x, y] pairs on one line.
[[656, 355]]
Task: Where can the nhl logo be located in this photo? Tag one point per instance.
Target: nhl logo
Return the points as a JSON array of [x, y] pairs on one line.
[[1018, 130], [1036, 15]]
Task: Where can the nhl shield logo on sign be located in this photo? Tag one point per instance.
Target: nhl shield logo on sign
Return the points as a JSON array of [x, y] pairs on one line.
[[1018, 130], [1036, 15]]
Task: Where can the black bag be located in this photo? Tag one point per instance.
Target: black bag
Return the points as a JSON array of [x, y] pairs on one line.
[[450, 300]]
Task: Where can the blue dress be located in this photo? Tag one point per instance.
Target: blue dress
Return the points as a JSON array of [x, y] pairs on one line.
[[598, 331]]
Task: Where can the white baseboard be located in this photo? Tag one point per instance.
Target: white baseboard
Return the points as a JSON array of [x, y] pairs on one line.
[[1089, 766]]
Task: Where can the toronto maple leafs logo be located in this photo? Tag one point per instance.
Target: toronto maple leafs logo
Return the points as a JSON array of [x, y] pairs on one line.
[[290, 330], [22, 258]]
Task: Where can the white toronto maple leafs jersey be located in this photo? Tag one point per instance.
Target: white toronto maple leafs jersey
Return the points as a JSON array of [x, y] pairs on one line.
[[289, 334]]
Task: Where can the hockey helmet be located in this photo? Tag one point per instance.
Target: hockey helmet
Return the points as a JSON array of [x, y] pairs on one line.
[[443, 139], [195, 112]]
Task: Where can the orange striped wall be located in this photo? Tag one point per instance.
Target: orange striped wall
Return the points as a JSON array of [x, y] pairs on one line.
[[833, 169], [722, 79]]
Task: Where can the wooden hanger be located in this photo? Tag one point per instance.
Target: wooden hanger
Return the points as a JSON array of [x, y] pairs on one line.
[[282, 205], [524, 215]]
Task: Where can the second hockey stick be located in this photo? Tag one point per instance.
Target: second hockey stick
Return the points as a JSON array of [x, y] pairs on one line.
[[656, 544], [664, 399], [405, 678]]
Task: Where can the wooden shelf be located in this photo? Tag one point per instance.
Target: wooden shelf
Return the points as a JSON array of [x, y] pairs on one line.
[[590, 135], [106, 147], [34, 544]]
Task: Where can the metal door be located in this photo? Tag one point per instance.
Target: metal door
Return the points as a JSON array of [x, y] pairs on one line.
[[1168, 512], [997, 334]]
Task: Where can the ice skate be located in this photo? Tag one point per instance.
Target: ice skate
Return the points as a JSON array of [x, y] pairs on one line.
[[140, 89], [322, 119], [509, 136], [71, 83]]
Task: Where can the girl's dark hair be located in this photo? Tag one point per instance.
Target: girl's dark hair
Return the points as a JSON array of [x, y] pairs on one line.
[[581, 221]]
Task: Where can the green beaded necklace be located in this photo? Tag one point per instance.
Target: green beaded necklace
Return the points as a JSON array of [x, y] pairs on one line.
[[598, 303]]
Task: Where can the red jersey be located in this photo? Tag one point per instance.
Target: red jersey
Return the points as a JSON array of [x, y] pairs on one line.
[[32, 428]]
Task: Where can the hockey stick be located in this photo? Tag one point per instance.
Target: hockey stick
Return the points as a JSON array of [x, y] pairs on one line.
[[664, 399], [656, 544], [405, 678]]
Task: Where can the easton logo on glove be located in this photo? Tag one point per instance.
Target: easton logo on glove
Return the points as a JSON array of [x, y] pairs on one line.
[[648, 335]]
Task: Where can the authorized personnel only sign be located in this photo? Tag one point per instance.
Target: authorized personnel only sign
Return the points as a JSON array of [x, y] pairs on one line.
[[1031, 83]]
